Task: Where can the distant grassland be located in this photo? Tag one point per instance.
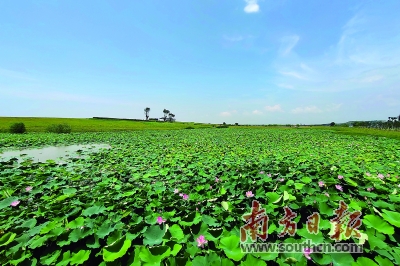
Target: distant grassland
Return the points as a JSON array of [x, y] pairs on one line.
[[355, 131], [40, 124]]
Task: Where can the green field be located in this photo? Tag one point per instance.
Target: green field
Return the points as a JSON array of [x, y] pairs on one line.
[[177, 197], [40, 124]]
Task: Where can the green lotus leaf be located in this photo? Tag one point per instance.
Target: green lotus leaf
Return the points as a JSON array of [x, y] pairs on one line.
[[117, 249], [80, 257], [392, 217], [153, 235], [231, 247], [7, 238], [373, 221]]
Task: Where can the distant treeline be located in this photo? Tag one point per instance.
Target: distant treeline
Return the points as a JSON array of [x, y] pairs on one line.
[[128, 119], [375, 124]]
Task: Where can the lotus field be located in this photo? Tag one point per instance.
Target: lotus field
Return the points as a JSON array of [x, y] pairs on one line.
[[180, 197]]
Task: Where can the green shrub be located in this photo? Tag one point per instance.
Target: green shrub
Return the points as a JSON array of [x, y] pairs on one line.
[[223, 126], [60, 128], [18, 128], [189, 127]]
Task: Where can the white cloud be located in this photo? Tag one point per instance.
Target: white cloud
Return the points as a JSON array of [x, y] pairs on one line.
[[235, 38], [365, 54], [293, 74], [64, 97], [256, 112], [14, 74], [275, 108], [306, 68], [252, 6], [286, 86], [225, 114], [288, 43], [228, 113], [308, 109], [372, 79], [333, 107]]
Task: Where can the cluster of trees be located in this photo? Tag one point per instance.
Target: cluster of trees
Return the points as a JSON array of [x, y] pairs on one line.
[[168, 116], [391, 123]]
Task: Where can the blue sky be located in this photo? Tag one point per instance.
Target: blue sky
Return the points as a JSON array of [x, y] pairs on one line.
[[253, 61]]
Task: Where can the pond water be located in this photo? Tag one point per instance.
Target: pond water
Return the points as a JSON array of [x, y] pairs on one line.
[[55, 153]]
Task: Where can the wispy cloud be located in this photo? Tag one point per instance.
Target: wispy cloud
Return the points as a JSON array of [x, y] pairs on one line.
[[234, 38], [308, 109], [293, 74], [257, 112], [286, 86], [225, 114], [306, 68], [275, 108], [14, 74], [333, 107], [372, 79], [62, 96], [365, 55], [251, 6], [288, 43], [228, 113]]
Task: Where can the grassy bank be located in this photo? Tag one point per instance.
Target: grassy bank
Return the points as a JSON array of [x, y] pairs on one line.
[[40, 124]]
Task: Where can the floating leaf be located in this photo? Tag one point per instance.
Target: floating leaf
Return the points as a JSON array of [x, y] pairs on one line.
[[231, 248], [117, 249], [80, 257], [373, 221], [392, 217], [153, 235]]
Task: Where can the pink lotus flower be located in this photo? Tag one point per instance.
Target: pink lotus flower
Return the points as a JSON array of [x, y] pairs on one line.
[[367, 174], [262, 172], [282, 179], [339, 187], [181, 194], [201, 241], [307, 252], [249, 194], [185, 197], [160, 220], [210, 187], [327, 194], [176, 190], [340, 177], [28, 188], [369, 189], [381, 176], [321, 183], [15, 203], [269, 175], [217, 180]]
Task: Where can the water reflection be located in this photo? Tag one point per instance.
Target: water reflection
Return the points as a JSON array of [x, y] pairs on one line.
[[52, 153]]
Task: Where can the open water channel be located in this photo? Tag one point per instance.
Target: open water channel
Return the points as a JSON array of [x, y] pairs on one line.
[[55, 153]]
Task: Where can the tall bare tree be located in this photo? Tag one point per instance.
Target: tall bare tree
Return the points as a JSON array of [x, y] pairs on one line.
[[146, 112]]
